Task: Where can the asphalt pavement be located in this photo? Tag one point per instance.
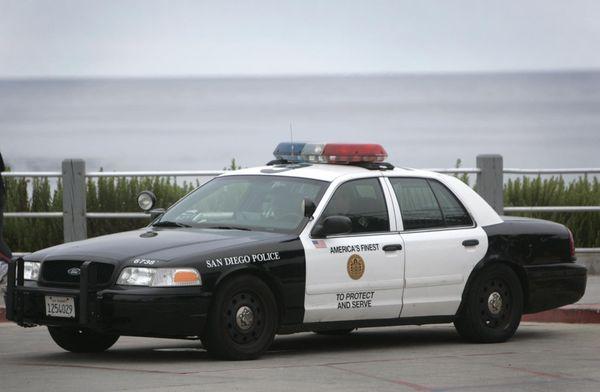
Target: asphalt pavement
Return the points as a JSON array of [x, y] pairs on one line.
[[541, 357]]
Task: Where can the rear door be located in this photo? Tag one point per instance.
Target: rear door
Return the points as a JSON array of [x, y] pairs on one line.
[[442, 245], [359, 275]]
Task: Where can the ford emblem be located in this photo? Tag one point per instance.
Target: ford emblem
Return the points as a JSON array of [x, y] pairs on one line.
[[74, 271]]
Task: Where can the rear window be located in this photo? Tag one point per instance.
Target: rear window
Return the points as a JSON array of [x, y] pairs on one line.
[[426, 204], [454, 212]]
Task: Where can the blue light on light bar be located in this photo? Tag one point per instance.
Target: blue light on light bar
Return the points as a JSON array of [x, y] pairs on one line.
[[289, 151]]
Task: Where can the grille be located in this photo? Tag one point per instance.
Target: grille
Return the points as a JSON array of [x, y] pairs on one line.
[[55, 272]]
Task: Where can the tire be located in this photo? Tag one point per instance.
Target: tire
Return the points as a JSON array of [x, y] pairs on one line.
[[492, 310], [335, 332], [242, 319], [81, 340]]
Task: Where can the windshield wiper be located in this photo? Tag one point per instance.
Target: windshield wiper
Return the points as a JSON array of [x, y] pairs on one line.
[[170, 224], [228, 228]]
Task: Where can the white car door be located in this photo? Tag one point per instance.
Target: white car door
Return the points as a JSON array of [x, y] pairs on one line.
[[359, 275], [442, 245]]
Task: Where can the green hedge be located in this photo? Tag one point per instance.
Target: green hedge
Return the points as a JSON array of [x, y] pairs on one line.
[[105, 194], [109, 194]]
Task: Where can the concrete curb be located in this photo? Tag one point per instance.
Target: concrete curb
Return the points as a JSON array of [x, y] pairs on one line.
[[573, 314]]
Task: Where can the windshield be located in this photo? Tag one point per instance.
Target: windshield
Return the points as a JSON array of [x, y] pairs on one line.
[[266, 203]]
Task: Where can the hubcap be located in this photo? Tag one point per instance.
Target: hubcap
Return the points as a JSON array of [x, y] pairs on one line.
[[495, 303], [244, 318]]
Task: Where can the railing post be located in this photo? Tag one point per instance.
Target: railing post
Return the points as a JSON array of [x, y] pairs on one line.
[[74, 208], [490, 180]]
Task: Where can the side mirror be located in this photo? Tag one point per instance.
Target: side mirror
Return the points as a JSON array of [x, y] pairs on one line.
[[155, 213], [335, 224], [309, 207], [146, 200]]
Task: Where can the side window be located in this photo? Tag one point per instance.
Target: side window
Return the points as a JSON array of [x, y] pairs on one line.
[[363, 202], [454, 212], [419, 208]]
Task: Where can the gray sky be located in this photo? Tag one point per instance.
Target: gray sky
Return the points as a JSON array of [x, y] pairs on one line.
[[181, 38]]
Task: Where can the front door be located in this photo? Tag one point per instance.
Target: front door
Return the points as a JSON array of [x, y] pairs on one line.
[[359, 275]]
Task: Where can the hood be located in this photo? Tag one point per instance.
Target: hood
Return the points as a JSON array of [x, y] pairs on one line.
[[163, 244]]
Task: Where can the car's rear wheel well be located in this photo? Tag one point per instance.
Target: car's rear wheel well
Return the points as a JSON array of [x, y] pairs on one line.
[[517, 269], [269, 281]]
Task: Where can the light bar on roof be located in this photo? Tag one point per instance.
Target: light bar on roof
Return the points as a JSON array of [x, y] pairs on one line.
[[330, 153]]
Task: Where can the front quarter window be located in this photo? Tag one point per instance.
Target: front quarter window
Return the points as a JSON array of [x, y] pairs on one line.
[[270, 203]]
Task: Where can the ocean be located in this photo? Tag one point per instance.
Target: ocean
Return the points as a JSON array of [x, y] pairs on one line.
[[535, 120]]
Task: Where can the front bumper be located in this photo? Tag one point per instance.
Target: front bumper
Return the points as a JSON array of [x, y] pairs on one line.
[[176, 312]]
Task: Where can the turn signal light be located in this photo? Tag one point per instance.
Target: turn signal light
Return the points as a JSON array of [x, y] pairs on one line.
[[186, 277]]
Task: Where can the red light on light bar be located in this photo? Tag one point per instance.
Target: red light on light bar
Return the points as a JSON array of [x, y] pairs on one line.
[[351, 153]]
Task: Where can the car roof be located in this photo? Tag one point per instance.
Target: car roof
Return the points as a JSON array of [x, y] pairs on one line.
[[325, 172]]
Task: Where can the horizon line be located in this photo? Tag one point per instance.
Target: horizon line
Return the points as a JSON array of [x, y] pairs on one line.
[[295, 75]]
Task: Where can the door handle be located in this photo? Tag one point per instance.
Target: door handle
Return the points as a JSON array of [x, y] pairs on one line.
[[391, 248], [470, 242]]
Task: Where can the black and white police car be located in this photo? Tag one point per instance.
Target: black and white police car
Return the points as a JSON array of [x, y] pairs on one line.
[[326, 238]]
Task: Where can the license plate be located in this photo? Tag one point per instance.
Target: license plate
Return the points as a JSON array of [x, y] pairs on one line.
[[60, 306]]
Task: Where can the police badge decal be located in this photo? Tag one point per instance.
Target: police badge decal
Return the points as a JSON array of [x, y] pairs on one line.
[[356, 267]]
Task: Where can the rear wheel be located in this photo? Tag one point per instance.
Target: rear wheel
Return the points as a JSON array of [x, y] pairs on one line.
[[81, 340], [492, 309], [242, 319]]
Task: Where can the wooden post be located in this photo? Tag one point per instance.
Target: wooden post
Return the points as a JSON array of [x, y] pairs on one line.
[[490, 180], [74, 194]]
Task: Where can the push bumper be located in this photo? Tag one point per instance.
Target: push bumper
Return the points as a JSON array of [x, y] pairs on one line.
[[553, 285], [157, 312]]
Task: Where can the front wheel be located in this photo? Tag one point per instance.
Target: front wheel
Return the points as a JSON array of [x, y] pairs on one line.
[[491, 311], [81, 340], [242, 320]]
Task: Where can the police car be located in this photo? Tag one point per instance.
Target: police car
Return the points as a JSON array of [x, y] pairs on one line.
[[326, 238]]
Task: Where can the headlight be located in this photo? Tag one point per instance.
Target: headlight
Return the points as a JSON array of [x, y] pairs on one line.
[[31, 270], [159, 277]]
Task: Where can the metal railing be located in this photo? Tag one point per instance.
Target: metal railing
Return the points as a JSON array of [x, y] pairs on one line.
[[489, 171], [105, 215], [587, 170], [176, 173], [455, 170]]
